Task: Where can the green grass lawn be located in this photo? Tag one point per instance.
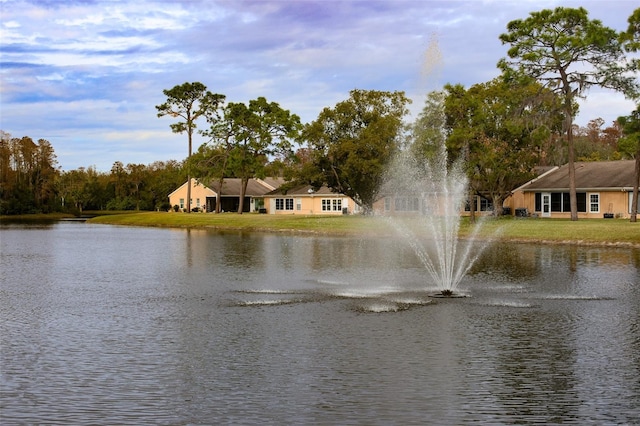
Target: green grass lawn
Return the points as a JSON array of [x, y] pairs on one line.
[[346, 225], [585, 231]]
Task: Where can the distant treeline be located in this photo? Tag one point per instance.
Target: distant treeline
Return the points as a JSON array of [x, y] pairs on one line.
[[32, 182]]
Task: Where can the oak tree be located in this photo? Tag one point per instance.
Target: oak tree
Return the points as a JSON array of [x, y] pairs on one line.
[[249, 135], [498, 128], [353, 143]]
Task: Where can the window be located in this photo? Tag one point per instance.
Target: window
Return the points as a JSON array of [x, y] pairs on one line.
[[582, 202], [594, 203], [486, 205], [480, 203], [581, 198], [561, 202], [284, 203], [198, 202], [631, 201], [407, 204], [182, 203], [556, 202], [329, 205], [387, 204]]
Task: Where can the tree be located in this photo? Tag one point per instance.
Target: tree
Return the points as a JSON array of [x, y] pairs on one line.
[[137, 173], [630, 38], [568, 53], [189, 101], [73, 189], [27, 175], [251, 135], [212, 158], [164, 177], [45, 174], [428, 132], [210, 164], [498, 128], [353, 143], [630, 144], [119, 180], [99, 189], [631, 125], [593, 143]]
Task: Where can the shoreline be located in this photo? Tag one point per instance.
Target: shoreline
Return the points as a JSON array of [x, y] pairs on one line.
[[586, 232]]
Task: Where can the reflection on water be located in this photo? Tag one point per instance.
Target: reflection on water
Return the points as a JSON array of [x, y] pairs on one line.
[[116, 325]]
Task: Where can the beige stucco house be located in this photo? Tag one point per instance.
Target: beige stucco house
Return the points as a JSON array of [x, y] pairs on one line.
[[205, 198], [305, 200], [604, 189], [199, 195]]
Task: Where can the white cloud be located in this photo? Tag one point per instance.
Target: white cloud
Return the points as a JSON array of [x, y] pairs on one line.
[[605, 104], [11, 24], [87, 75], [51, 77]]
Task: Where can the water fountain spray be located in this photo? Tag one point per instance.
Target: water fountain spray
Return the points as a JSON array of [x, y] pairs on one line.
[[436, 191]]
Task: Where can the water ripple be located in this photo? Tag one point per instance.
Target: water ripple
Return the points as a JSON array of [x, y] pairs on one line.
[[114, 327]]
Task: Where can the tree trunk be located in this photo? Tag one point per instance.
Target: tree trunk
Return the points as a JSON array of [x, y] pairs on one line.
[[190, 133], [472, 206], [573, 198], [497, 205], [219, 195], [636, 184], [137, 197], [243, 190]]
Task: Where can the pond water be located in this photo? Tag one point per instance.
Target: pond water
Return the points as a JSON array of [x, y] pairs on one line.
[[120, 325]]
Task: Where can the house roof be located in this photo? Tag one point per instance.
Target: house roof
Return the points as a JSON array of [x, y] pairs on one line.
[[303, 190], [273, 182], [596, 175], [231, 187]]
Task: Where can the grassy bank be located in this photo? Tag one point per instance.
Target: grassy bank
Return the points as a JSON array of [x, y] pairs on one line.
[[584, 232], [332, 225], [593, 231], [36, 217]]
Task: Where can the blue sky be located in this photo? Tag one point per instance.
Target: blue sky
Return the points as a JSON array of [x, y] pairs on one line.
[[86, 74]]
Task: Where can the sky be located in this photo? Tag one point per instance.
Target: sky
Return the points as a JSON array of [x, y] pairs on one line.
[[86, 75]]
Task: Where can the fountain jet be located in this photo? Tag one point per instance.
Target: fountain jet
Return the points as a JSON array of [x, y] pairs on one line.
[[426, 194]]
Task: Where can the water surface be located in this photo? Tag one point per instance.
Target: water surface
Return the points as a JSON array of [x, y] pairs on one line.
[[120, 325]]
